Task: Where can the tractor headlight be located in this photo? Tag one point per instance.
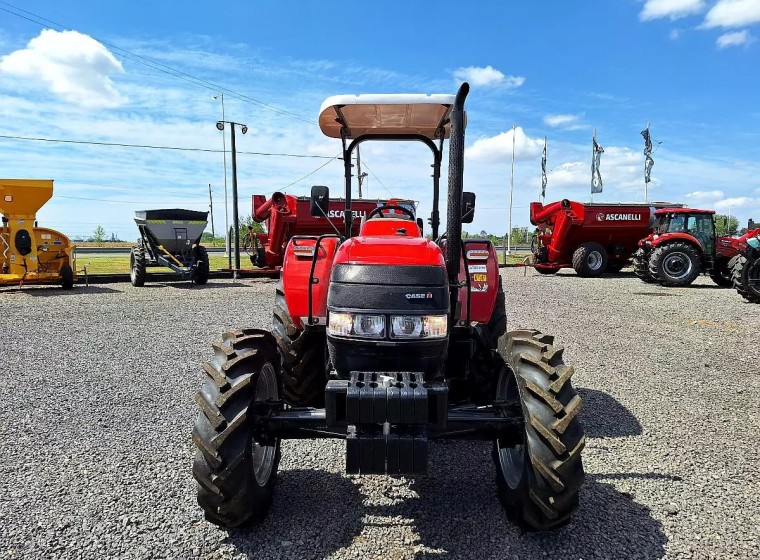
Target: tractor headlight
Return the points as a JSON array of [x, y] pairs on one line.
[[356, 325], [419, 326]]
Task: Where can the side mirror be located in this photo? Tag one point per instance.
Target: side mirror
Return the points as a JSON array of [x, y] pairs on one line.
[[320, 200], [420, 224], [468, 207]]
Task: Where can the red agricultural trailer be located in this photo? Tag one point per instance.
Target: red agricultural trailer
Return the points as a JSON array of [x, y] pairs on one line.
[[287, 215], [591, 237]]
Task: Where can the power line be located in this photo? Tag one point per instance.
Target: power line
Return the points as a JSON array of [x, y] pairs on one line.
[[309, 174], [377, 179], [152, 147], [155, 65]]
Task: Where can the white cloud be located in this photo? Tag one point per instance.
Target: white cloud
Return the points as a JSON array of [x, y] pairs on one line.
[[675, 34], [673, 9], [735, 39], [73, 66], [568, 122], [499, 147], [733, 13], [734, 203], [487, 76], [705, 195]]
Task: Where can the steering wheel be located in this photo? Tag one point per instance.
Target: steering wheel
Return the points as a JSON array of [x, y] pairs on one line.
[[379, 211]]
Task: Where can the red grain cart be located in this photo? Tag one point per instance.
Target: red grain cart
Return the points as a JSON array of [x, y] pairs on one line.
[[592, 238], [286, 215]]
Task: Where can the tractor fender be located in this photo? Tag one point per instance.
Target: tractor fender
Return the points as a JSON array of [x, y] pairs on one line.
[[296, 272], [685, 237]]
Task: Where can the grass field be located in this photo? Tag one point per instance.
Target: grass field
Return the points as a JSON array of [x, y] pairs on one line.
[[120, 264]]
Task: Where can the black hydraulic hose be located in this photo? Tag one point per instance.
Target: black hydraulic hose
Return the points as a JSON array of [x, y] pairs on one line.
[[456, 183]]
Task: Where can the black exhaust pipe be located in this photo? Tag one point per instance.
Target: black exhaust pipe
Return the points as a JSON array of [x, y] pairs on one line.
[[456, 186]]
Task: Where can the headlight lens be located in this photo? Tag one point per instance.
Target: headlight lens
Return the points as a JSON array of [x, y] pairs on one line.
[[360, 325], [408, 327], [419, 326]]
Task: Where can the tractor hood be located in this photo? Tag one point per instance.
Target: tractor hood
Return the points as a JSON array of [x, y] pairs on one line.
[[390, 250]]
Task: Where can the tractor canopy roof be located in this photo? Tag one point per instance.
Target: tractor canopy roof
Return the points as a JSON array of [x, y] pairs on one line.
[[661, 211], [386, 114]]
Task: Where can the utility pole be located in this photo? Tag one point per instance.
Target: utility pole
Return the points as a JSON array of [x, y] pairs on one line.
[[361, 176], [235, 219], [211, 211], [511, 191], [224, 149]]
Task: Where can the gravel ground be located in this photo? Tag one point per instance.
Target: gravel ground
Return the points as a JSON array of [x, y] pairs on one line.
[[97, 410]]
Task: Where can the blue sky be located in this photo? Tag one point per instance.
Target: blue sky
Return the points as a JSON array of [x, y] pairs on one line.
[[557, 69]]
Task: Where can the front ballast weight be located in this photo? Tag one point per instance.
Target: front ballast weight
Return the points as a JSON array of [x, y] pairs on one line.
[[170, 238]]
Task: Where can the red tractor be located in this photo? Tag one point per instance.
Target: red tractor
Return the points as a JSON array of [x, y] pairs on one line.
[[389, 340], [683, 245], [745, 266]]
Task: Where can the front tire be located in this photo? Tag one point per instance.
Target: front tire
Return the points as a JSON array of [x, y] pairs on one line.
[[641, 266], [235, 472], [721, 273], [303, 373], [746, 278], [590, 260], [675, 264], [67, 277], [200, 275], [538, 481], [137, 266]]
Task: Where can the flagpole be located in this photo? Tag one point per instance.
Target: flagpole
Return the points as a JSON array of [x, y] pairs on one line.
[[646, 183], [511, 190], [593, 154]]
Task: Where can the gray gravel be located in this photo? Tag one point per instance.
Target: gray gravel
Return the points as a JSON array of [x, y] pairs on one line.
[[97, 409]]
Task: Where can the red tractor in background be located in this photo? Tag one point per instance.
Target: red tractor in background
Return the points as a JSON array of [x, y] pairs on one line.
[[592, 238], [745, 266], [683, 245], [286, 215], [389, 340]]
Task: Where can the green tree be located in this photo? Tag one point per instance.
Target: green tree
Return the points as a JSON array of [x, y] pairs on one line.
[[99, 235], [247, 221], [725, 225]]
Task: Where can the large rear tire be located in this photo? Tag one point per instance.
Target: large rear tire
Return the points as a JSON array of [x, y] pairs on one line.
[[200, 275], [302, 373], [675, 264], [590, 260], [235, 473], [137, 266], [641, 266], [538, 481], [746, 278]]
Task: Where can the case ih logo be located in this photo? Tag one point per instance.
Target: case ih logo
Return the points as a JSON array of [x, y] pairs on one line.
[[602, 217], [428, 295]]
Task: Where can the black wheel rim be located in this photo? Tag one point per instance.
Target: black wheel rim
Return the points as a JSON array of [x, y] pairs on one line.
[[511, 459], [677, 265], [263, 456]]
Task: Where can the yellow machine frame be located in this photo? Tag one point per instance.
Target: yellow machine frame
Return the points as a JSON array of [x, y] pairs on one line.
[[30, 254]]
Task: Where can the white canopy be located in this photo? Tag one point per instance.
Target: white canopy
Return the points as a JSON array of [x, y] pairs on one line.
[[386, 114]]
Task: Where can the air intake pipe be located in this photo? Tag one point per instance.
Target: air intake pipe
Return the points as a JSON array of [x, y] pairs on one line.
[[456, 184]]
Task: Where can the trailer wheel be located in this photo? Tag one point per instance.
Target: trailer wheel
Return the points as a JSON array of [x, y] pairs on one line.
[[236, 472], [675, 264], [302, 373], [722, 274], [746, 278], [200, 275], [590, 260], [641, 266], [137, 266], [538, 481], [67, 277]]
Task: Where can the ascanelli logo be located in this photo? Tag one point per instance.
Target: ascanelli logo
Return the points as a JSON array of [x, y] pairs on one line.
[[602, 217], [342, 213], [428, 295]]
